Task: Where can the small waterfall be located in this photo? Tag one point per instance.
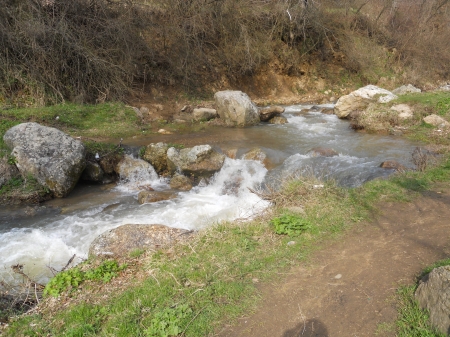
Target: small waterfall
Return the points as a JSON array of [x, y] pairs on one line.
[[52, 243]]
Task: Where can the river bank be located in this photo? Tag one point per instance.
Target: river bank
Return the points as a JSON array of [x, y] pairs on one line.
[[322, 219]]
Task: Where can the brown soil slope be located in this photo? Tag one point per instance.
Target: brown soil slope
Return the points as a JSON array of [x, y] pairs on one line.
[[349, 288]]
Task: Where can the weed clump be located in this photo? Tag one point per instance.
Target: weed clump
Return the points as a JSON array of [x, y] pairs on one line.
[[72, 278]]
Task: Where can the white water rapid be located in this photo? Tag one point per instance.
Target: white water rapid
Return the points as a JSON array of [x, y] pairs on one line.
[[41, 243]]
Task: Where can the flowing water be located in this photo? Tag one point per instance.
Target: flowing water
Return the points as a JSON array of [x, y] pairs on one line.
[[49, 235]]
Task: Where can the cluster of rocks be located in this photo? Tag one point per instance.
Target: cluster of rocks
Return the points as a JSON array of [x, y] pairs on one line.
[[232, 108], [367, 106]]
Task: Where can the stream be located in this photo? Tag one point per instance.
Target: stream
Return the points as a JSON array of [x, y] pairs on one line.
[[50, 234]]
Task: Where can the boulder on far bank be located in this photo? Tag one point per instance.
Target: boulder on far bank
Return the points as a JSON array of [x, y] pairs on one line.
[[52, 157], [123, 240], [236, 109], [360, 99], [406, 89]]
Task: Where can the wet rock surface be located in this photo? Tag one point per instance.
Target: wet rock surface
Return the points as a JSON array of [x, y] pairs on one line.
[[323, 152], [278, 120], [265, 114], [181, 182], [392, 164], [198, 161], [123, 240], [55, 159], [92, 172], [156, 155], [131, 169], [146, 197]]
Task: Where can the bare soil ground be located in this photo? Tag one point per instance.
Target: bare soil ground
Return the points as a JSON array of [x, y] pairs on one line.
[[349, 287]]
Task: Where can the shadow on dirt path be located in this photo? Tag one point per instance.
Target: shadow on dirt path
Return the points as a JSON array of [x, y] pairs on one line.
[[348, 289]]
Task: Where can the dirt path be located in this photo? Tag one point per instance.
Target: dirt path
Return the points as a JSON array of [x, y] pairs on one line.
[[348, 288]]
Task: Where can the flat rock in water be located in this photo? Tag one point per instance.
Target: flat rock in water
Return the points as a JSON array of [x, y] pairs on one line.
[[433, 294], [323, 152], [278, 120], [147, 197], [392, 164], [123, 240], [55, 159], [181, 182], [265, 114], [198, 161]]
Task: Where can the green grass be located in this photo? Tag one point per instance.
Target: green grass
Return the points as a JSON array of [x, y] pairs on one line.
[[108, 120], [432, 102]]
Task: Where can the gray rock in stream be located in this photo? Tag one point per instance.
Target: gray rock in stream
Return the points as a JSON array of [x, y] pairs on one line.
[[236, 109], [198, 161], [123, 240], [53, 158]]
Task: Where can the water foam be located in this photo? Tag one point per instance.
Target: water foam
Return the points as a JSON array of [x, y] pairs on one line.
[[45, 243]]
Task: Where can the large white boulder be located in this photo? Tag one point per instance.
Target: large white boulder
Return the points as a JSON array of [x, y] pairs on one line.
[[55, 159], [236, 108], [360, 99]]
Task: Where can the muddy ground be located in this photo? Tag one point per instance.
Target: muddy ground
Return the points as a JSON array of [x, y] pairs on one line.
[[349, 287]]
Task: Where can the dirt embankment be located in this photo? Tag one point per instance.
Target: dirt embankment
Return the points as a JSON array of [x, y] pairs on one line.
[[349, 287]]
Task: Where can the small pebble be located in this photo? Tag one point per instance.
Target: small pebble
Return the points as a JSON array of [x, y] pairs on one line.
[[338, 276], [290, 243], [255, 280]]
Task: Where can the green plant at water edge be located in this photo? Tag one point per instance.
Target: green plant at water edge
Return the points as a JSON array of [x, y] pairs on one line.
[[176, 145], [169, 321], [142, 152], [12, 160], [73, 277], [291, 225]]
